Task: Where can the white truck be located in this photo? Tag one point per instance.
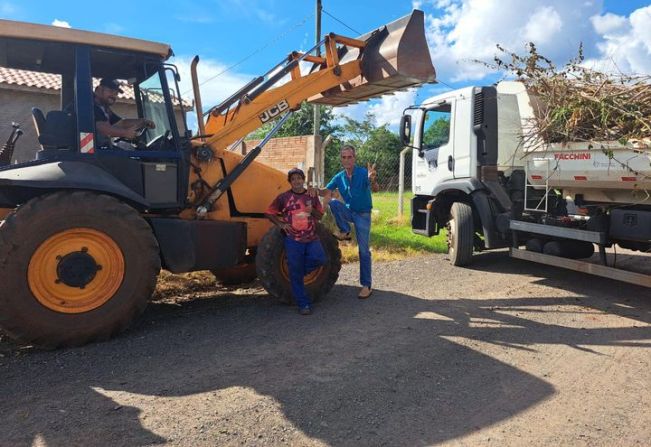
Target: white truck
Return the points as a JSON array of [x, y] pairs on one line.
[[477, 170]]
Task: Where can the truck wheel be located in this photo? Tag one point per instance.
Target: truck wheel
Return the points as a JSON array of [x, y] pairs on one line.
[[274, 273], [461, 232], [75, 267]]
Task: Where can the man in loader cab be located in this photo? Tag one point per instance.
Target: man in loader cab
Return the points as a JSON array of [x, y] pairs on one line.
[[109, 124]]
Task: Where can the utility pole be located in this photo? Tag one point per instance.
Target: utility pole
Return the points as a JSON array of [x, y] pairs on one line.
[[318, 154]]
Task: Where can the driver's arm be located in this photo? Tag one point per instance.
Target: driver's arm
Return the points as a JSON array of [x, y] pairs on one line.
[[137, 123], [109, 130]]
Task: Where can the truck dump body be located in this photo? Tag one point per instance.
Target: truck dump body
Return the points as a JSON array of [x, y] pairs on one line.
[[601, 171]]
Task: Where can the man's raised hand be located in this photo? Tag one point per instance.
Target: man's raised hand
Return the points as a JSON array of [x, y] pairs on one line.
[[372, 171]]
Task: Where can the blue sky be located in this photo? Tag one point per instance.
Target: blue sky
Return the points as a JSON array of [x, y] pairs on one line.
[[616, 34]]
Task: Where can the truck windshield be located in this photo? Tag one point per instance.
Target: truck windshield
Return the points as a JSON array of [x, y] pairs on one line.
[[436, 127], [153, 106]]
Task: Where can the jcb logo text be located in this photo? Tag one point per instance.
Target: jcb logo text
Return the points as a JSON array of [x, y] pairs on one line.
[[274, 111]]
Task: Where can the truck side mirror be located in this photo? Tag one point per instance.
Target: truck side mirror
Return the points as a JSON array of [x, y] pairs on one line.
[[405, 130]]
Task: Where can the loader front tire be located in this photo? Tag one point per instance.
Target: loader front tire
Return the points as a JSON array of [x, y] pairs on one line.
[[273, 272], [75, 267], [461, 232]]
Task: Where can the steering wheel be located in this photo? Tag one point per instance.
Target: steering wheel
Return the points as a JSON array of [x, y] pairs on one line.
[[138, 141], [160, 140]]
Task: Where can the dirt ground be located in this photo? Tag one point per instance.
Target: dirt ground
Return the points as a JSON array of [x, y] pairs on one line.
[[503, 353]]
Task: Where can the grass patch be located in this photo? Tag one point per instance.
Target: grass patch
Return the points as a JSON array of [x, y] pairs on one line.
[[391, 235]]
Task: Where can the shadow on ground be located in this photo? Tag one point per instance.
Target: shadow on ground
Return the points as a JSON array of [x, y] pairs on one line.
[[380, 372]]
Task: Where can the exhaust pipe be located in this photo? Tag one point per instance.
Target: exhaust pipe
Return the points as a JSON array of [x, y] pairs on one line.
[[197, 95]]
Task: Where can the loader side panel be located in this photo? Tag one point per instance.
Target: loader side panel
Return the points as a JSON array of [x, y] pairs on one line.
[[17, 185], [191, 245]]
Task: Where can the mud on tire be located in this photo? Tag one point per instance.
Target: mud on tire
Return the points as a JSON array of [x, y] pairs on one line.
[[37, 306], [273, 273]]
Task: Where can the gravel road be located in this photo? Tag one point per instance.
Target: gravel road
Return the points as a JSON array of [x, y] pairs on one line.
[[503, 353]]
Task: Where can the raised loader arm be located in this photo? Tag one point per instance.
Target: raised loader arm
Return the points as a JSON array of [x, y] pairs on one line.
[[393, 57]]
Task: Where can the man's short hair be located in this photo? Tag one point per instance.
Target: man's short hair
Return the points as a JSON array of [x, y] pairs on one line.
[[347, 147], [295, 171]]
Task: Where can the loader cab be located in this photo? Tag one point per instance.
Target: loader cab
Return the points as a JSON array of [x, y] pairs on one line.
[[153, 167]]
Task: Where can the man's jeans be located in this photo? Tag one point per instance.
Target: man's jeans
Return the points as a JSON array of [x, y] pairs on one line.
[[362, 221], [302, 258]]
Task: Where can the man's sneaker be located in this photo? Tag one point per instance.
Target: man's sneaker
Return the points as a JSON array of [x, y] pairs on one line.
[[305, 311], [364, 293], [342, 236]]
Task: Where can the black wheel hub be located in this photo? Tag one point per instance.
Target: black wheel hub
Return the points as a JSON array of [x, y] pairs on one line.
[[77, 269]]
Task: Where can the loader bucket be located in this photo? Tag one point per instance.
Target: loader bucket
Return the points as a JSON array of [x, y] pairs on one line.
[[395, 57]]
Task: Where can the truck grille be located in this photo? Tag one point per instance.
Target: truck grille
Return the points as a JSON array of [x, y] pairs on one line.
[[478, 116]]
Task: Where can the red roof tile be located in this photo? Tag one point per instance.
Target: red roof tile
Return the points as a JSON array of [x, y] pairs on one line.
[[49, 81]]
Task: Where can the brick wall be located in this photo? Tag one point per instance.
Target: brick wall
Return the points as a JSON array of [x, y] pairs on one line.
[[16, 105], [285, 153]]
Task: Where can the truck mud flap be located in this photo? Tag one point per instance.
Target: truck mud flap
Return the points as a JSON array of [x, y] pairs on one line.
[[487, 216]]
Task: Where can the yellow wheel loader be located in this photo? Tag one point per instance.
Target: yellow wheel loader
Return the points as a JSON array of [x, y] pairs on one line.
[[88, 224]]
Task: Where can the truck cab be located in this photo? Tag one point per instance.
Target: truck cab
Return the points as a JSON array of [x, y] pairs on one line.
[[453, 137], [481, 171]]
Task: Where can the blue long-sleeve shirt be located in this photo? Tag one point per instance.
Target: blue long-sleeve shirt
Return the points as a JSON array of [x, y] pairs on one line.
[[356, 190]]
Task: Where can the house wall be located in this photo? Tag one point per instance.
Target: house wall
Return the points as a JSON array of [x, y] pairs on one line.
[[16, 106]]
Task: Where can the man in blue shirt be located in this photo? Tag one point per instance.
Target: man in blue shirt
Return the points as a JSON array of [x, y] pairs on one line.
[[355, 185]]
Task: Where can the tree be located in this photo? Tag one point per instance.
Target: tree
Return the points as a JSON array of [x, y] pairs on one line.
[[373, 144]]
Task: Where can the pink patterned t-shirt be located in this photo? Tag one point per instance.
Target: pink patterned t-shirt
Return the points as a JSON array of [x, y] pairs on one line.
[[292, 207]]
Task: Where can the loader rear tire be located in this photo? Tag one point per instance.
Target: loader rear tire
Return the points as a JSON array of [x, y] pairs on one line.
[[75, 267], [273, 272], [461, 233]]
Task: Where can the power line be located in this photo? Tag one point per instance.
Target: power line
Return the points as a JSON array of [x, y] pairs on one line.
[[353, 30], [241, 61]]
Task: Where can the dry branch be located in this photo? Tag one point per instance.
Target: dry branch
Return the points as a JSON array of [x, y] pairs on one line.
[[581, 104]]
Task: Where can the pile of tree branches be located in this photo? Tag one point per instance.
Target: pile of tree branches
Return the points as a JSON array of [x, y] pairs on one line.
[[576, 103]]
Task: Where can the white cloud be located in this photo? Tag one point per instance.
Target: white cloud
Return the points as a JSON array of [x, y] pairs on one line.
[[461, 31], [386, 110], [216, 85], [389, 109], [608, 23], [543, 25], [61, 23], [625, 43]]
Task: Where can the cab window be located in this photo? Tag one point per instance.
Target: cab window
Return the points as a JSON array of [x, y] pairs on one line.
[[436, 127], [153, 106]]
